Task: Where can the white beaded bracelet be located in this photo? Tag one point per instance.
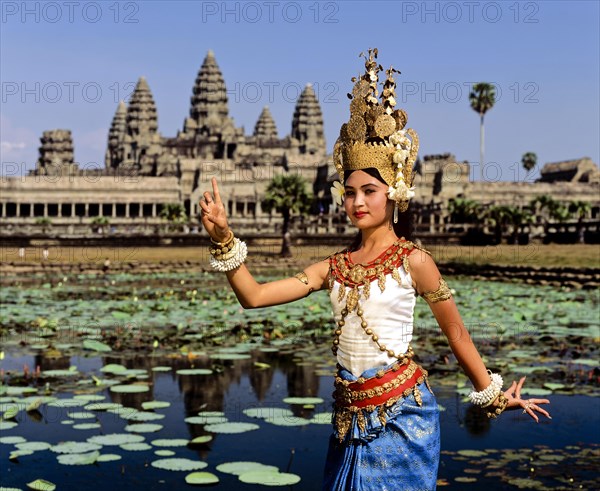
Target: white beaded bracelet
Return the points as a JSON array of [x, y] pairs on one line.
[[488, 395], [234, 258]]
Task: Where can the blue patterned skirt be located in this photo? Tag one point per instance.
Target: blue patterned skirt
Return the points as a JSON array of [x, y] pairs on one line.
[[400, 455]]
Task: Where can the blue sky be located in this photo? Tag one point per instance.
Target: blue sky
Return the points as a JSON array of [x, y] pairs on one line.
[[66, 64]]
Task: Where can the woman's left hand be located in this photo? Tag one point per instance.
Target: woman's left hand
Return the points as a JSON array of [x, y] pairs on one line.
[[530, 406]]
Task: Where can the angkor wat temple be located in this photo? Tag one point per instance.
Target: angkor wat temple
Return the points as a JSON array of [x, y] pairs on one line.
[[145, 170]]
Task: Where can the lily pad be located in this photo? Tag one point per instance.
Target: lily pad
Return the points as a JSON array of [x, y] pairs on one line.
[[145, 416], [78, 458], [240, 467], [136, 447], [204, 420], [143, 428], [33, 446], [94, 345], [41, 485], [75, 447], [87, 426], [130, 389], [201, 439], [303, 400], [170, 442], [116, 439], [201, 478], [108, 457], [149, 405], [11, 440], [269, 478], [179, 464], [231, 428], [194, 371]]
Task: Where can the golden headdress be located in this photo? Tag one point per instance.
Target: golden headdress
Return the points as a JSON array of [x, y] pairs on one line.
[[374, 136]]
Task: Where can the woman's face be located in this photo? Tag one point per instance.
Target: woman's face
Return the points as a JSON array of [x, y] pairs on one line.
[[366, 201]]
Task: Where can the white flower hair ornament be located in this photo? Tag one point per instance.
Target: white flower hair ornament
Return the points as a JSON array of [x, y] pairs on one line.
[[400, 191], [338, 192]]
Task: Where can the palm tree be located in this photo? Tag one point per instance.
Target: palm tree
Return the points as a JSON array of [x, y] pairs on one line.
[[517, 217], [482, 98], [173, 213], [498, 215], [464, 210], [529, 160], [287, 194], [580, 209]]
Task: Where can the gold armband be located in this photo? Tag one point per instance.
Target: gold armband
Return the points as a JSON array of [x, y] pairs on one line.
[[302, 277], [439, 295]]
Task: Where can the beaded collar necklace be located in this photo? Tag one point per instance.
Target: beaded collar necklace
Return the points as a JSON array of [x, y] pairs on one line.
[[358, 277]]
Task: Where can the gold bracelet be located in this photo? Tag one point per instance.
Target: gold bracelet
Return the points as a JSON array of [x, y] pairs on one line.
[[225, 242], [220, 248], [497, 411], [439, 295]]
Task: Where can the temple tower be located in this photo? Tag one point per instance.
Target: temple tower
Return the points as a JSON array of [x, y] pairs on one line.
[[307, 124], [116, 135], [142, 141], [265, 128], [56, 154]]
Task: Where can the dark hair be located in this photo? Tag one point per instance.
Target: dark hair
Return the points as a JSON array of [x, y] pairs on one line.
[[404, 227]]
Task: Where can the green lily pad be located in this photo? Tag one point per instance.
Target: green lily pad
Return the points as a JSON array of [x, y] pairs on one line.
[[19, 453], [136, 447], [231, 428], [303, 400], [11, 440], [240, 467], [7, 425], [269, 478], [145, 416], [108, 457], [143, 428], [81, 415], [194, 371], [205, 420], [130, 389], [149, 405], [268, 412], [93, 345], [472, 453], [201, 478], [170, 442], [41, 485], [537, 392], [201, 439], [75, 447], [161, 369], [116, 439], [33, 446], [179, 464], [554, 386], [78, 458], [102, 406], [87, 426], [114, 368]]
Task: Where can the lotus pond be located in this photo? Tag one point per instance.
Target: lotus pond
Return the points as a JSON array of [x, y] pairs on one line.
[[148, 382]]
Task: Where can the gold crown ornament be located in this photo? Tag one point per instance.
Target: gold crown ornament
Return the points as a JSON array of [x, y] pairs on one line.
[[374, 136]]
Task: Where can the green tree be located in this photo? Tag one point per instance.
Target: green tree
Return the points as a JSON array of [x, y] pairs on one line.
[[98, 223], [287, 194], [173, 213], [464, 210], [498, 216], [45, 223], [580, 209], [517, 217], [529, 160], [482, 98]]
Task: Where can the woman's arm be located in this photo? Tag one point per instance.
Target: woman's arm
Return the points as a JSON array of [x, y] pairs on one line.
[[429, 284], [249, 292]]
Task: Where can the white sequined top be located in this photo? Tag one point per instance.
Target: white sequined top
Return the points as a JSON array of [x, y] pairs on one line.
[[389, 313]]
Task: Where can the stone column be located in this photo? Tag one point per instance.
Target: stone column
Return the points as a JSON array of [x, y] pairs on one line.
[[153, 210], [73, 206], [45, 210], [245, 212], [18, 210], [141, 210], [86, 212], [4, 205], [31, 215], [126, 210], [114, 210]]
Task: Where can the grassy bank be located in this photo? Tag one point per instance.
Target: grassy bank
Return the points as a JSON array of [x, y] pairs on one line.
[[529, 255]]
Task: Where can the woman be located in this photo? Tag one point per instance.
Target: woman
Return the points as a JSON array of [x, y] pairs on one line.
[[386, 430]]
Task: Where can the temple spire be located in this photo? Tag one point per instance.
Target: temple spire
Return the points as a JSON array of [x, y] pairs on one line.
[[265, 126], [141, 115], [209, 106], [307, 123], [116, 134]]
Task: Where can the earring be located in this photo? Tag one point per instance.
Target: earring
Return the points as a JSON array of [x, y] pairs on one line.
[[396, 213]]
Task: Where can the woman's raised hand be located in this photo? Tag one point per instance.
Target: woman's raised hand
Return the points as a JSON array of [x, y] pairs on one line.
[[213, 215], [530, 406]]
